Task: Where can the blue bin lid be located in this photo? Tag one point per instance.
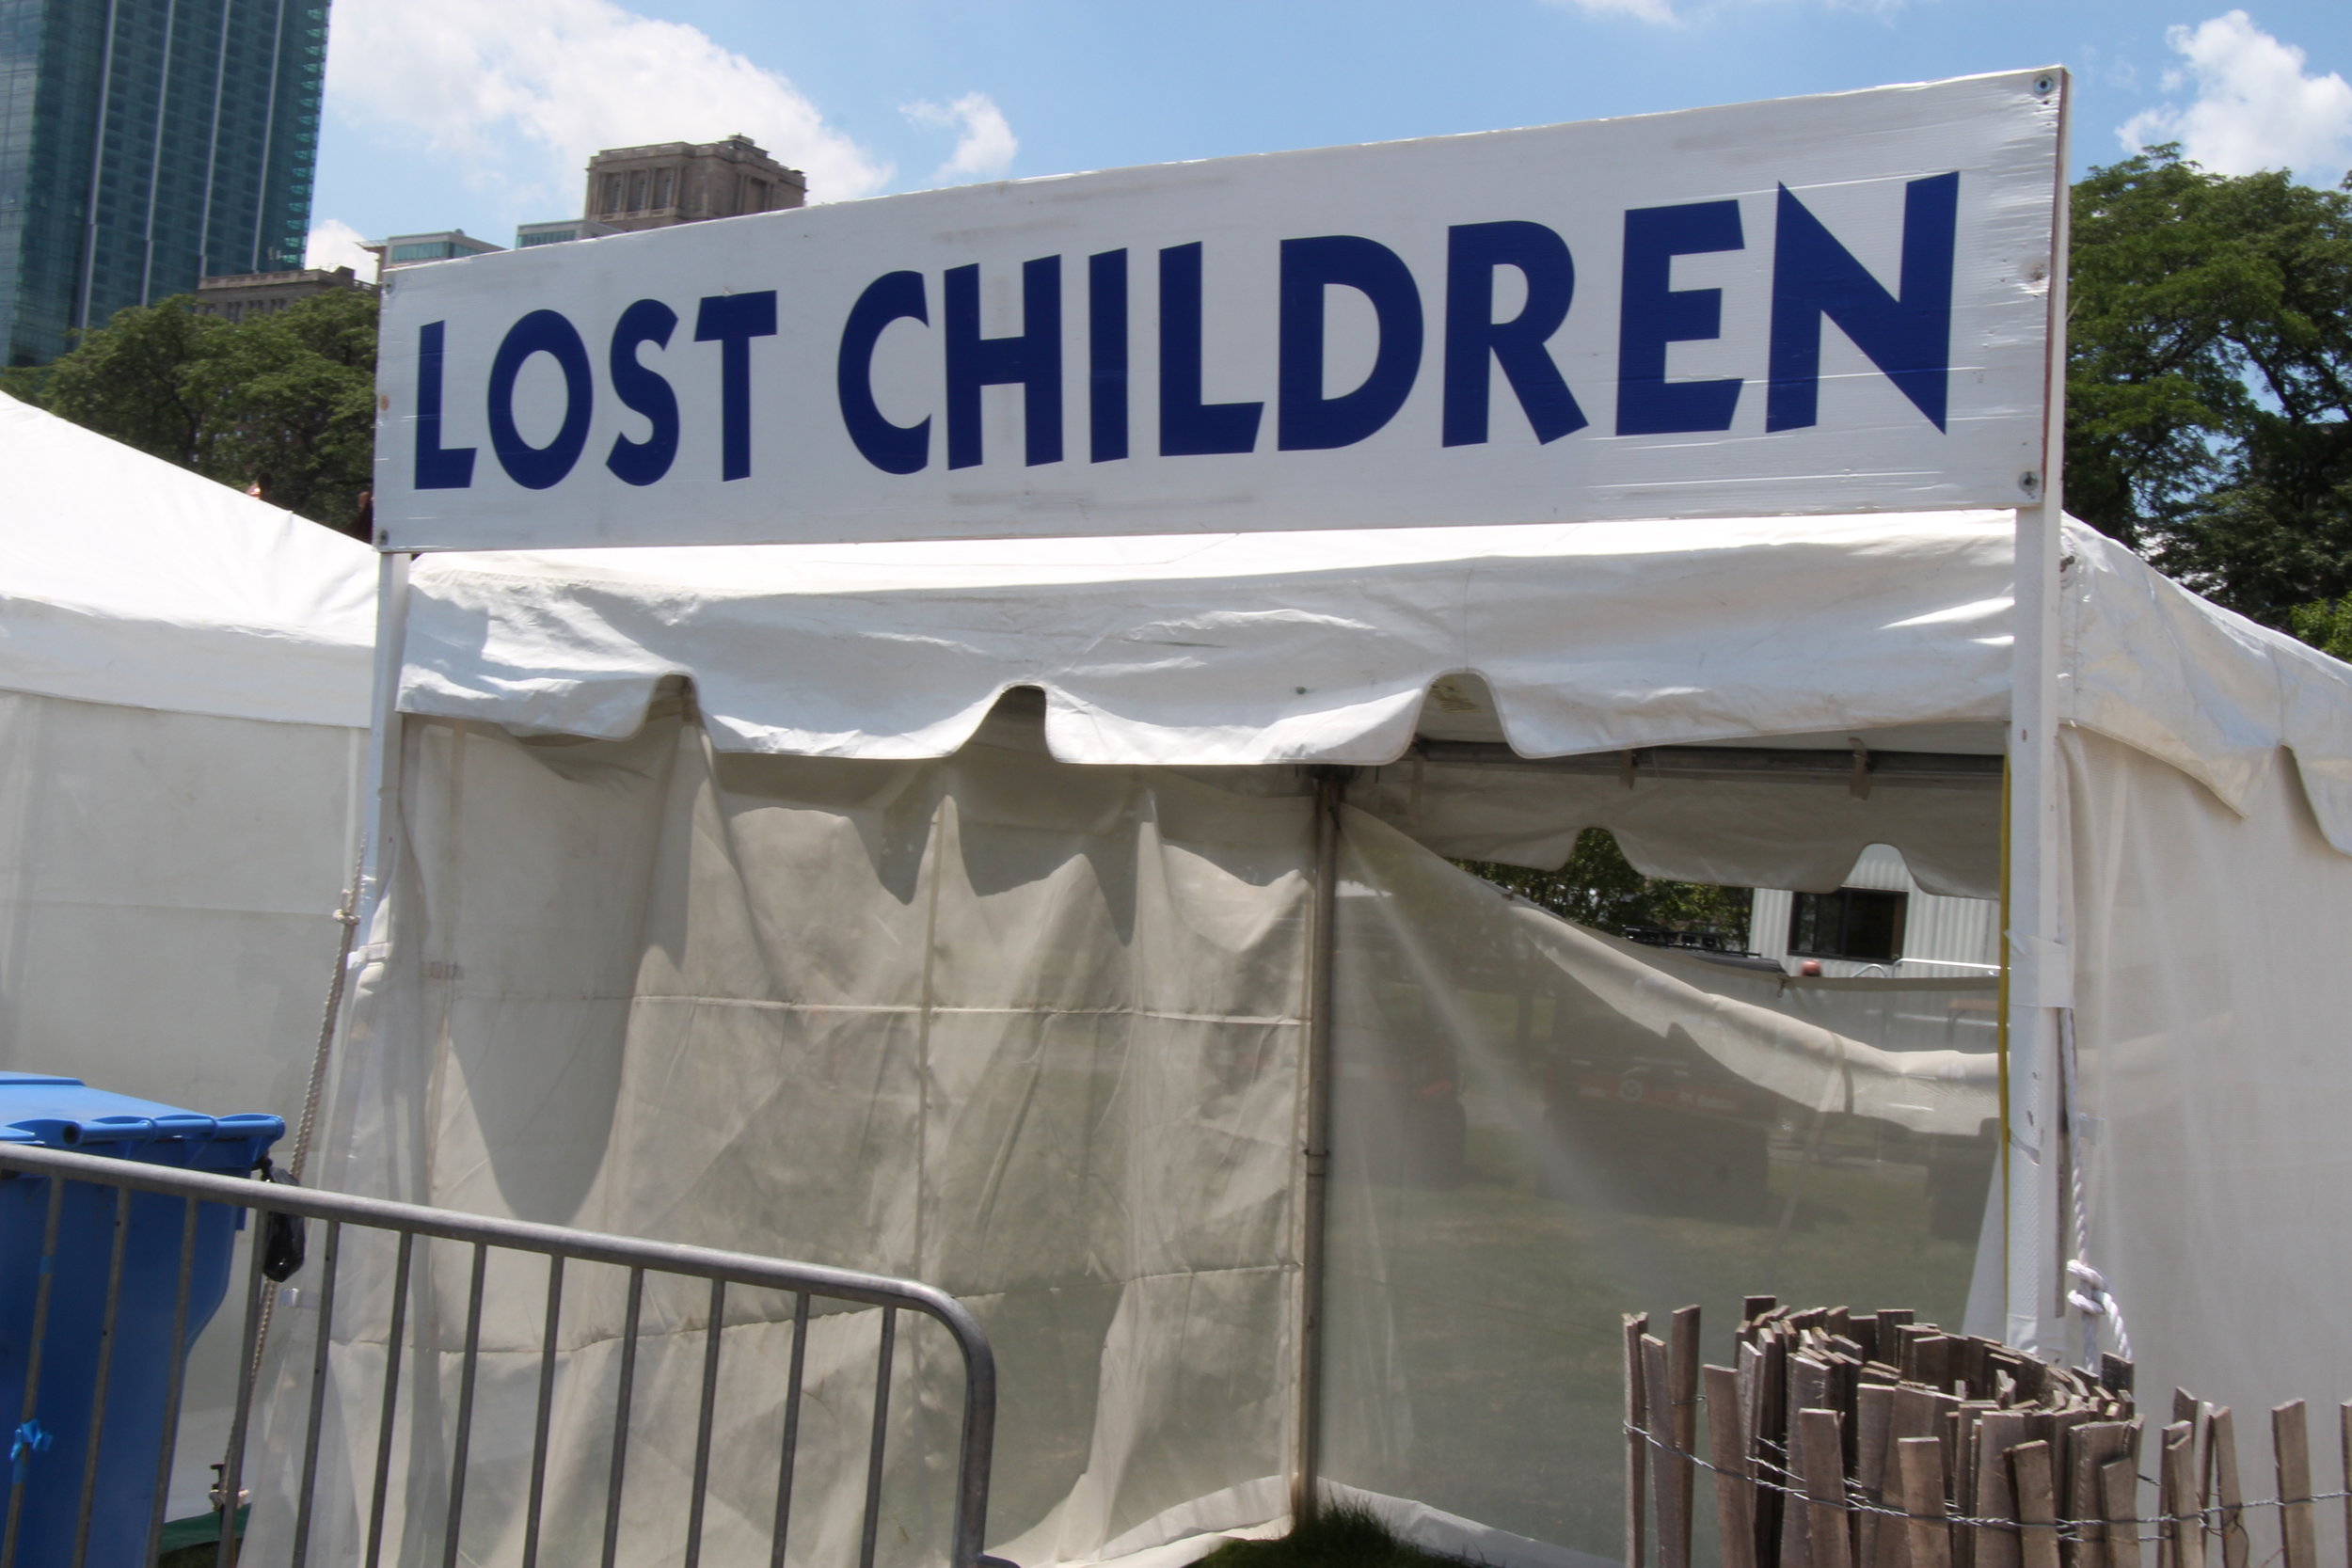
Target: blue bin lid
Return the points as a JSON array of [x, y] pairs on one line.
[[66, 1113]]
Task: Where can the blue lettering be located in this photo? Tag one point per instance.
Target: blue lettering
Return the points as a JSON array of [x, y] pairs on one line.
[[1188, 427], [438, 468], [549, 333], [1474, 251], [1307, 419], [1106, 356], [1651, 315], [894, 449], [731, 321], [1031, 360], [643, 391], [1908, 335]]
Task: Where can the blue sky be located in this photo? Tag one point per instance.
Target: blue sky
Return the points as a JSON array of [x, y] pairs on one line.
[[479, 114]]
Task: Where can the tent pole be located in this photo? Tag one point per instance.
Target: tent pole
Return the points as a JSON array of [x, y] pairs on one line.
[[1316, 1152], [2038, 966], [377, 852], [378, 824]]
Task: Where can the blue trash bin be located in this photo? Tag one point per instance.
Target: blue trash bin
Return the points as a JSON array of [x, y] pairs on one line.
[[47, 1453]]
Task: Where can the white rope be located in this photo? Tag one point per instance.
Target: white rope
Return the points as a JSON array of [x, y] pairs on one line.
[[2087, 1293]]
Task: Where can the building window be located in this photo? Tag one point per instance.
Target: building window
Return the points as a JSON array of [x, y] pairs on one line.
[[637, 192], [1860, 923], [662, 187], [612, 193], [759, 202]]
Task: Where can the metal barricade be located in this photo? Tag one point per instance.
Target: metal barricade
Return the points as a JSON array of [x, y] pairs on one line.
[[340, 1212]]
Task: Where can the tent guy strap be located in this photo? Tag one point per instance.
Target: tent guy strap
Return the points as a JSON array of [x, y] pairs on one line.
[[1821, 304]]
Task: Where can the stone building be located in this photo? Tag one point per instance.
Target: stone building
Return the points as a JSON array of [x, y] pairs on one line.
[[670, 182], [530, 236], [240, 296]]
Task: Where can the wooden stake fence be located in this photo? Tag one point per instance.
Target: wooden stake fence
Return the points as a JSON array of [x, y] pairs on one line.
[[1867, 1440]]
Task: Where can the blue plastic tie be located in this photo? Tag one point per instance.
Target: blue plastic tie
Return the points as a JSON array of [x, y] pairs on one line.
[[31, 1438]]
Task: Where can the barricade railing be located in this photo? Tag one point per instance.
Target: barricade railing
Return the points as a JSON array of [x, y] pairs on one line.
[[339, 1213]]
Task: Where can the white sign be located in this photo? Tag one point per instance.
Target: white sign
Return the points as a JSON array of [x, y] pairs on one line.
[[1822, 305]]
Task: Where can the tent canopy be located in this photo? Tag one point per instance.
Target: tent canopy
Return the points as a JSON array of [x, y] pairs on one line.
[[126, 579]]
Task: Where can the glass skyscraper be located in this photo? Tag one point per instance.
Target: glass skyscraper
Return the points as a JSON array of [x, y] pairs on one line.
[[145, 144]]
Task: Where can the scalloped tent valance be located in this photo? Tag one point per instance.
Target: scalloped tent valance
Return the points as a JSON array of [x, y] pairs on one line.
[[1344, 647]]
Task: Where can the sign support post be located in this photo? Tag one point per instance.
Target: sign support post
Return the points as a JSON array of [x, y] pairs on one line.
[[2034, 957], [1314, 1156]]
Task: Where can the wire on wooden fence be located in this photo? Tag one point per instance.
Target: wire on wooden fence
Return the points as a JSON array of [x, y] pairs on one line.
[[1847, 1440]]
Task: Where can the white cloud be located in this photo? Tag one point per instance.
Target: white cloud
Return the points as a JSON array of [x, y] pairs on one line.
[[1667, 13], [985, 149], [2256, 107], [1641, 10], [335, 243], [520, 92]]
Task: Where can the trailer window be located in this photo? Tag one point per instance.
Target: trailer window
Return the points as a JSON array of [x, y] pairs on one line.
[[1861, 923]]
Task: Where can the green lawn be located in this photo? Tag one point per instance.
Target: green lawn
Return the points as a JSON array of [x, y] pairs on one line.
[[1491, 1386]]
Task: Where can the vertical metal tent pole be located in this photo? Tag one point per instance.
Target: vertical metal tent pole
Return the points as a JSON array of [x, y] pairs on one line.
[[1314, 1153], [379, 822], [2035, 962], [379, 851]]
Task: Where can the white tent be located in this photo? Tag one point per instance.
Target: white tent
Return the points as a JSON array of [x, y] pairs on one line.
[[183, 715], [955, 911]]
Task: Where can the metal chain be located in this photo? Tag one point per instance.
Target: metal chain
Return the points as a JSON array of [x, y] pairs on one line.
[[347, 916]]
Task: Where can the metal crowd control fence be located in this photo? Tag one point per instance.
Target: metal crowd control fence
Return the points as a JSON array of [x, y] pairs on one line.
[[560, 1247]]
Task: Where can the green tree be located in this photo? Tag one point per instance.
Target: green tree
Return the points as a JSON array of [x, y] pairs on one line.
[[129, 379], [2209, 379], [291, 396], [286, 399], [1599, 888], [2326, 624]]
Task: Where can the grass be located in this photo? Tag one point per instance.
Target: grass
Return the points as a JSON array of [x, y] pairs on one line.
[[1477, 1358], [1343, 1537]]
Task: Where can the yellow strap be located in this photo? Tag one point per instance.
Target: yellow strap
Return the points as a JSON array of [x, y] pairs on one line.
[[2002, 1034]]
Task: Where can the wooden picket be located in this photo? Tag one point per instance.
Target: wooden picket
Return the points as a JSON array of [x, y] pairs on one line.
[[1869, 1440]]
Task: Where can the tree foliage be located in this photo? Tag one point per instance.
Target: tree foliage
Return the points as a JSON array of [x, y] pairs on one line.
[[2209, 385], [286, 399], [1599, 888], [2326, 624]]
